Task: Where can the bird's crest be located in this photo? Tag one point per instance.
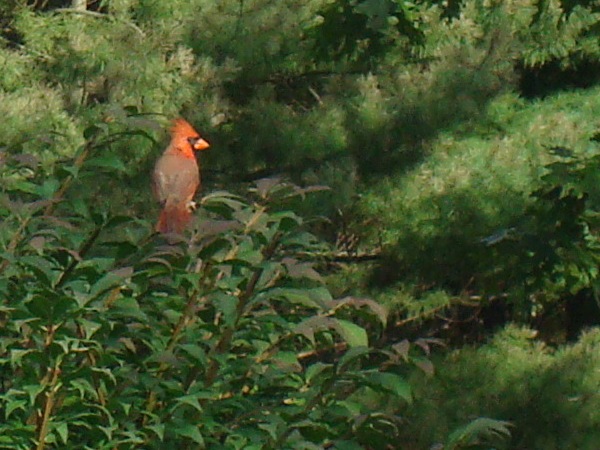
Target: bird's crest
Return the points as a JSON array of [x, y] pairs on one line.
[[185, 138], [181, 128]]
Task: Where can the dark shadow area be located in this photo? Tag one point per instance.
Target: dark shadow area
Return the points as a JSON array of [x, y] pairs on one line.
[[549, 78]]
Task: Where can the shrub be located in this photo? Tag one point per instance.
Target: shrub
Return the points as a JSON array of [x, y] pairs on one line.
[[113, 337]]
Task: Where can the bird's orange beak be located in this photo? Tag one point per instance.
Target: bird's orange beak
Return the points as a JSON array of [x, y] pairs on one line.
[[201, 144]]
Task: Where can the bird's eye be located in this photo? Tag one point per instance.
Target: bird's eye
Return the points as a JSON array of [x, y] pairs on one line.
[[193, 140]]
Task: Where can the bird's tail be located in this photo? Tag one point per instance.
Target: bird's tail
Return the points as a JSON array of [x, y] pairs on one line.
[[174, 218]]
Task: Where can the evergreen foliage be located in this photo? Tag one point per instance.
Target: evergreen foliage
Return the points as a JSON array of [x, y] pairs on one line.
[[541, 391]]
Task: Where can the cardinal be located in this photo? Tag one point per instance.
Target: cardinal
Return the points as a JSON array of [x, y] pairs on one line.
[[176, 177]]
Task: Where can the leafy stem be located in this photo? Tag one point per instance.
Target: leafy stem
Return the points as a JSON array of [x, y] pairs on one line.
[[54, 387], [56, 198], [224, 342]]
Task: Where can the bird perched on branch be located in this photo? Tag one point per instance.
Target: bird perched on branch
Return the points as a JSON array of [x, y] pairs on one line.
[[176, 177]]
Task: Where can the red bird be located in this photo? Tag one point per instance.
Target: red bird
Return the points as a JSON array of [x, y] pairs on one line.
[[176, 177]]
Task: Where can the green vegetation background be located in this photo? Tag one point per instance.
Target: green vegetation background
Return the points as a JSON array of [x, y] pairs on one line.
[[459, 141]]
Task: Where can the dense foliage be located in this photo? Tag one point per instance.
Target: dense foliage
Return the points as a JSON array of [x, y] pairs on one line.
[[383, 175]]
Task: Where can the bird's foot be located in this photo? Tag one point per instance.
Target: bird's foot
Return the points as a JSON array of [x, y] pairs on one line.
[[192, 206]]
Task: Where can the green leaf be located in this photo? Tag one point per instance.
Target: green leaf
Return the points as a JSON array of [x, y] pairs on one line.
[[63, 431], [310, 326], [311, 298], [377, 309], [352, 354], [195, 351], [191, 400], [227, 305], [26, 186], [17, 355], [480, 431], [287, 361], [41, 266], [158, 429], [107, 161], [89, 328], [296, 269], [219, 198], [391, 382], [84, 387], [315, 370], [33, 390], [129, 306], [354, 335], [48, 188], [192, 432], [14, 405]]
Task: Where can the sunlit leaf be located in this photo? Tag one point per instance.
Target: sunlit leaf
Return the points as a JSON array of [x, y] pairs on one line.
[[353, 335], [63, 431]]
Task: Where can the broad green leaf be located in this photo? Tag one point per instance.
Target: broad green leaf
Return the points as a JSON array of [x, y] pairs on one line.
[[14, 405], [352, 354], [191, 400], [106, 373], [352, 334], [192, 432], [297, 269], [227, 305], [84, 387], [110, 280], [219, 198], [195, 351], [310, 326], [107, 161], [287, 221], [391, 382], [130, 307], [158, 429], [62, 429], [26, 186], [44, 268], [315, 370], [48, 188], [377, 309], [16, 355], [89, 328], [287, 361], [33, 390]]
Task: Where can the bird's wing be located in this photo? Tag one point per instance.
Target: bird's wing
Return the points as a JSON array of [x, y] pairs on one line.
[[176, 179]]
